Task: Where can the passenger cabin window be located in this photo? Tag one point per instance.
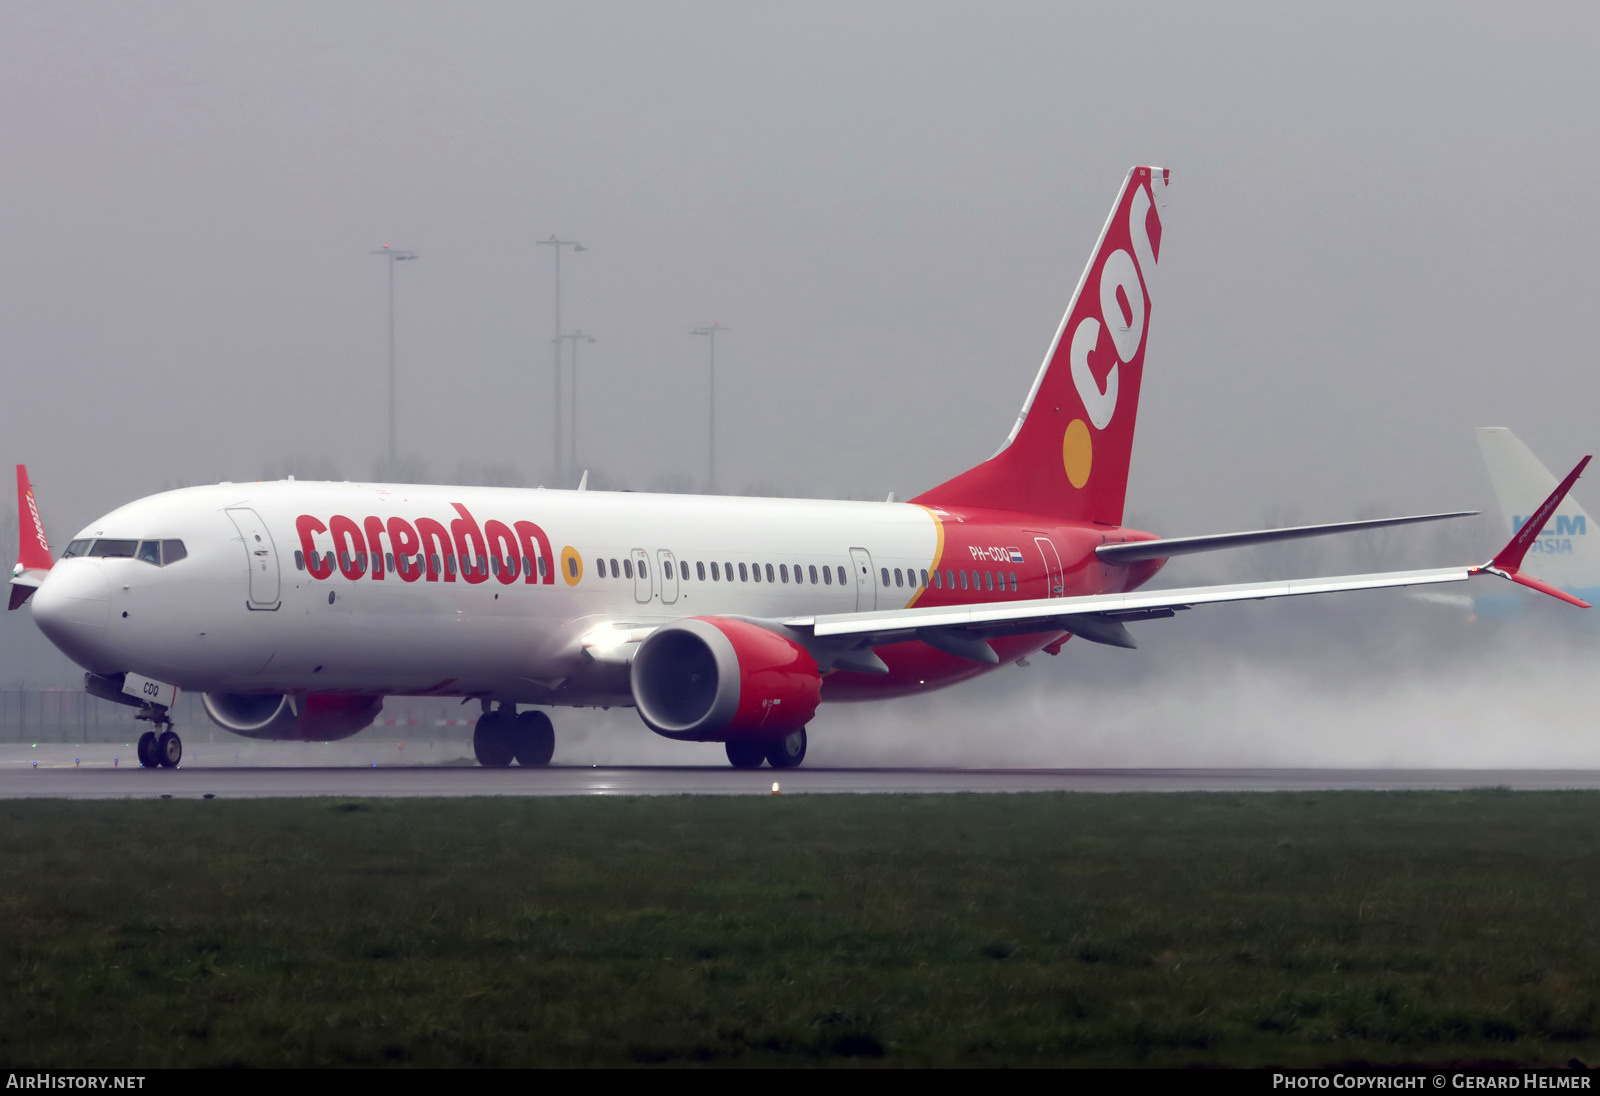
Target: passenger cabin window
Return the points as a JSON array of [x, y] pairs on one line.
[[600, 566], [299, 560], [715, 572], [666, 568], [769, 572], [885, 572], [924, 578], [614, 571], [813, 570], [827, 576], [755, 571], [572, 566], [841, 576], [744, 575], [700, 570], [783, 571], [627, 567]]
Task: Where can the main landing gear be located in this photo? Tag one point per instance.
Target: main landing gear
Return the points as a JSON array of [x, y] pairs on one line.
[[502, 736], [786, 753]]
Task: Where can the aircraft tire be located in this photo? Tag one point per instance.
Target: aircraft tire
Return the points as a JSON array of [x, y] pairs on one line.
[[168, 750], [535, 740], [492, 742], [788, 752], [746, 755], [147, 750]]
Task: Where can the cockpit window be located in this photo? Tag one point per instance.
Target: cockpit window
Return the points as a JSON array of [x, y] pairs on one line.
[[158, 552], [113, 548]]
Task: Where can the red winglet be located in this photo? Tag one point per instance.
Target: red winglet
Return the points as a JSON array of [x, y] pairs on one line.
[[1508, 562], [1509, 558], [1545, 588], [34, 552]]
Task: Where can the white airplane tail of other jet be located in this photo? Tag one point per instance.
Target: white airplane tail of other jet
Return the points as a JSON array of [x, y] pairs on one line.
[[1567, 551]]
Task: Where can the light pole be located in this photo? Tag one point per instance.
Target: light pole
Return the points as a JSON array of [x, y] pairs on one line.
[[710, 334], [555, 341], [572, 442], [390, 257]]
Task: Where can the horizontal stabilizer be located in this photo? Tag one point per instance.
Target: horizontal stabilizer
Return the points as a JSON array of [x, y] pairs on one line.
[[1182, 546]]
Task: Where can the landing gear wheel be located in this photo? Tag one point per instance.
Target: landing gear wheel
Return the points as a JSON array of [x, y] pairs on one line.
[[147, 750], [169, 750], [535, 740], [746, 755], [789, 751], [492, 741]]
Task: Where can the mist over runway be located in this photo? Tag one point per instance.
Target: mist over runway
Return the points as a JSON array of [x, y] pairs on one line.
[[343, 770]]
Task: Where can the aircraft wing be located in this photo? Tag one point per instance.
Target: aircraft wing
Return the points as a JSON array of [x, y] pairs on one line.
[[1100, 618], [961, 630], [1167, 547]]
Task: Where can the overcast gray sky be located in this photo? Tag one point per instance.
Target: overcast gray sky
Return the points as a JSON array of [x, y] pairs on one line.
[[1380, 234]]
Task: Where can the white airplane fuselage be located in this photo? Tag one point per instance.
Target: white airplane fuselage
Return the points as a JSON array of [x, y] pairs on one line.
[[243, 611]]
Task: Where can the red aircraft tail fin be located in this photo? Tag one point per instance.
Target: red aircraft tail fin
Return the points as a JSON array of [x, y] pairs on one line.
[[34, 552], [1507, 563], [1068, 454]]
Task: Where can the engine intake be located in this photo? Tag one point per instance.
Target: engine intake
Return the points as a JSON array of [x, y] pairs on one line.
[[711, 679], [281, 717]]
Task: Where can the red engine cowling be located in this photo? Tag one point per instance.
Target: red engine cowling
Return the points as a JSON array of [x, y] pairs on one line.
[[710, 679], [295, 719]]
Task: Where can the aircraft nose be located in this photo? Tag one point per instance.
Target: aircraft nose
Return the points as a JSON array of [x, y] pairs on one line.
[[71, 608]]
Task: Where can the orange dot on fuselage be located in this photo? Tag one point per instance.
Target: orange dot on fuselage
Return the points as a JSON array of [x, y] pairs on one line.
[[1077, 452]]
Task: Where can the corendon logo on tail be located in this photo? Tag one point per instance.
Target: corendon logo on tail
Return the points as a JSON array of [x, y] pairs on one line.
[[1120, 287], [426, 549], [38, 524]]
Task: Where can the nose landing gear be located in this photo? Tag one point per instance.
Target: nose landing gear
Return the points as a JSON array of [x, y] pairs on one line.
[[160, 748]]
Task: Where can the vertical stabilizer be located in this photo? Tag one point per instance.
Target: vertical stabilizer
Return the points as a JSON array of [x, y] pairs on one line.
[[33, 551], [1068, 455], [1567, 553]]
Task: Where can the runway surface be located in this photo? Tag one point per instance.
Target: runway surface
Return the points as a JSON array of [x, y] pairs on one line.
[[98, 772]]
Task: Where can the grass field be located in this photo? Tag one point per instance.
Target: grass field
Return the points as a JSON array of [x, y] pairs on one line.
[[1169, 929]]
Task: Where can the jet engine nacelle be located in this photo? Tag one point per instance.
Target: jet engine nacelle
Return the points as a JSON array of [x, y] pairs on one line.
[[711, 679], [282, 717]]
